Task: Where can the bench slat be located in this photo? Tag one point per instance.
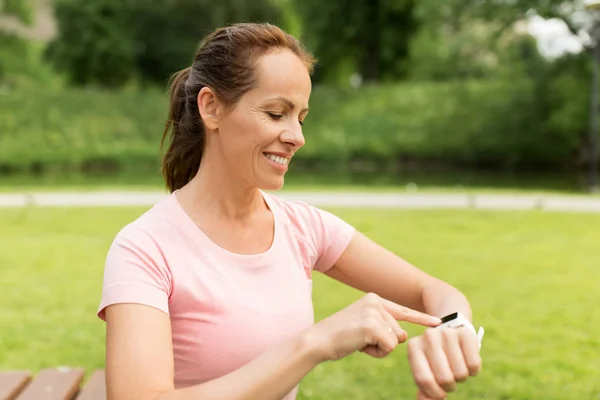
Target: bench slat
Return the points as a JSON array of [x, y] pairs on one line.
[[54, 384], [95, 388], [12, 383]]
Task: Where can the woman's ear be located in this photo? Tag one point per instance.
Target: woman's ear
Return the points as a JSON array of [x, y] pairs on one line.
[[209, 107]]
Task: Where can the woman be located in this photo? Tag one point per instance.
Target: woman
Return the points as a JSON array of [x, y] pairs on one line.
[[208, 294]]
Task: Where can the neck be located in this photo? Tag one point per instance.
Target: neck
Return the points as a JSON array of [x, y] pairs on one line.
[[214, 190]]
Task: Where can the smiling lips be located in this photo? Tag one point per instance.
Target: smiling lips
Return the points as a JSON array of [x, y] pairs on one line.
[[278, 159]]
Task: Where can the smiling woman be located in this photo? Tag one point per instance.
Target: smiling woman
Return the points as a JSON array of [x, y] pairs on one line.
[[259, 102], [209, 293]]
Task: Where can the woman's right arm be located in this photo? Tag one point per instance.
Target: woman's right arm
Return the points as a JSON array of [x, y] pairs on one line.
[[140, 366], [139, 362]]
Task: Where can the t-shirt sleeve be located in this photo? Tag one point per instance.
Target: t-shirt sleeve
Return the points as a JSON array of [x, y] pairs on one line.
[[329, 235], [333, 236], [135, 272]]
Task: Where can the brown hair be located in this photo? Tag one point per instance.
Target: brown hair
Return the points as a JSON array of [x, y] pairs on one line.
[[225, 62]]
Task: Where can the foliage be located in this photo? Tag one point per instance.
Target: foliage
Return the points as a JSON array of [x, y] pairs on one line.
[[111, 42], [563, 93], [451, 44], [76, 129], [94, 46], [466, 39], [548, 103], [465, 88], [508, 124], [21, 63], [504, 13], [166, 38], [12, 52], [17, 8], [369, 37]]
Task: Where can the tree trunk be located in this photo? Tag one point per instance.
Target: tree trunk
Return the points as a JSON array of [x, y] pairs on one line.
[[371, 54]]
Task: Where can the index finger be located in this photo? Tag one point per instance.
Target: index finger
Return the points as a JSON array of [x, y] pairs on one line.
[[402, 313]]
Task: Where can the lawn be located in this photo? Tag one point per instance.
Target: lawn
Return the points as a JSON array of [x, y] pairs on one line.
[[532, 278]]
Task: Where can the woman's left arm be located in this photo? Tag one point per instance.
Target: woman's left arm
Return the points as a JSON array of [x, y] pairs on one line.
[[369, 267], [440, 358]]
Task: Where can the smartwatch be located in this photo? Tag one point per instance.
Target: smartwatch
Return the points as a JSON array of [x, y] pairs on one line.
[[456, 320]]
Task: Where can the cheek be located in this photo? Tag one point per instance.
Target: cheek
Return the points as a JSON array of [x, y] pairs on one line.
[[235, 131], [246, 136], [241, 142]]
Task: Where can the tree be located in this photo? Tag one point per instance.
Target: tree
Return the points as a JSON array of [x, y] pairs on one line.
[[94, 45], [503, 14], [109, 42], [369, 37], [18, 9], [20, 64], [166, 35]]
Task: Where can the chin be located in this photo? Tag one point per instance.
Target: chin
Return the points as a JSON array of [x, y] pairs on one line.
[[271, 184]]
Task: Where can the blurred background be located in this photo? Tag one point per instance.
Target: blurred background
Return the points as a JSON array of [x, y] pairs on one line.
[[429, 97], [494, 93]]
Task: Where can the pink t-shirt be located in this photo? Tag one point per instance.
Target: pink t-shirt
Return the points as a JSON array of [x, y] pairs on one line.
[[225, 308]]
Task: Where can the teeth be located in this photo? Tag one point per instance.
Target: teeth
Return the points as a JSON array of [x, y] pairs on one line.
[[277, 159]]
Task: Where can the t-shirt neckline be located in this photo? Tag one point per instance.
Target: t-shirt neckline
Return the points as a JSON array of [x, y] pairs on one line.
[[205, 245]]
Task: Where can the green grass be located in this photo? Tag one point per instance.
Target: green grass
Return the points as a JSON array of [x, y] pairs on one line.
[[532, 278]]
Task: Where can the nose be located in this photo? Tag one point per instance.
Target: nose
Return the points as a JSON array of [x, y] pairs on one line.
[[293, 136]]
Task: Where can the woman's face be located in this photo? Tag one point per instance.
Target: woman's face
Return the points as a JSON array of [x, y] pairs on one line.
[[261, 134]]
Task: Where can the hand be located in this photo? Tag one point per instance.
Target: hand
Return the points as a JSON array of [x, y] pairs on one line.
[[368, 325], [442, 357]]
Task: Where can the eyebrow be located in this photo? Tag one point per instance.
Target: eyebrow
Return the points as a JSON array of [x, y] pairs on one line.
[[287, 102]]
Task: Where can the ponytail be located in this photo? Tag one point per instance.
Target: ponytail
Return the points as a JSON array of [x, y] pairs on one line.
[[182, 159]]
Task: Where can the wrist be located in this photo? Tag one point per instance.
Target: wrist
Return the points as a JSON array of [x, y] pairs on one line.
[[458, 320], [312, 345]]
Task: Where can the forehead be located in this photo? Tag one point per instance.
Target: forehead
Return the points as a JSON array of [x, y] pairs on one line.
[[283, 73]]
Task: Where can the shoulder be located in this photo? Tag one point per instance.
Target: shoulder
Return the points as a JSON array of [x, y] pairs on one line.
[[151, 241], [153, 228], [310, 220], [298, 213], [137, 269]]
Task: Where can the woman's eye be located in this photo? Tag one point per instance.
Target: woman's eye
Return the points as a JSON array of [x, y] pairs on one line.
[[275, 116]]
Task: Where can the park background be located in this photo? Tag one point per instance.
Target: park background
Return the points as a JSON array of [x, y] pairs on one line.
[[427, 97]]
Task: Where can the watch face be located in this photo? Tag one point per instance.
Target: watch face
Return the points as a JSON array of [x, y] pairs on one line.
[[449, 317]]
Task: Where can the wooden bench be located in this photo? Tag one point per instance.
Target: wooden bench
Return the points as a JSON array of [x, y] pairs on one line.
[[62, 383]]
